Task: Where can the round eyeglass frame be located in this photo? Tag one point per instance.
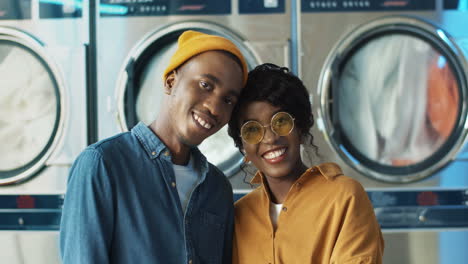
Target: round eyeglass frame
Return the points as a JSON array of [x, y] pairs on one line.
[[269, 125]]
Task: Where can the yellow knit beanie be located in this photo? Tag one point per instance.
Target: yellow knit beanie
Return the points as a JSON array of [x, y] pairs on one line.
[[192, 43]]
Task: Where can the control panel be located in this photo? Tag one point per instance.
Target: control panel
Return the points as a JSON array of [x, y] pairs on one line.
[[188, 7], [19, 9], [30, 212], [163, 7], [366, 5]]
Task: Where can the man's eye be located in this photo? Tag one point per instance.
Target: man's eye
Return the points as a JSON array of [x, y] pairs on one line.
[[229, 101], [204, 85]]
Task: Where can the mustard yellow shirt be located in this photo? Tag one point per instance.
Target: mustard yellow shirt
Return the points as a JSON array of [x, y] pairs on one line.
[[326, 218]]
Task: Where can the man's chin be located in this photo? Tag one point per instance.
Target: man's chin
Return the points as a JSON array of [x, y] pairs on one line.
[[192, 142]]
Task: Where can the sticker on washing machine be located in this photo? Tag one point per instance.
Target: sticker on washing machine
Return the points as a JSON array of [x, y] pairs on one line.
[[261, 6], [15, 9]]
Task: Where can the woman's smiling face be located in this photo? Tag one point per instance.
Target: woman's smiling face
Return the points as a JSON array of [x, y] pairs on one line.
[[275, 156]]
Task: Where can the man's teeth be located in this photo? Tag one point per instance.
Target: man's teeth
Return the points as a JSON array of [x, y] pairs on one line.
[[274, 154], [202, 122]]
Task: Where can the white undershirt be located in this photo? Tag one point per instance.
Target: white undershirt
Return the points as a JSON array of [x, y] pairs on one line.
[[275, 210], [186, 180]]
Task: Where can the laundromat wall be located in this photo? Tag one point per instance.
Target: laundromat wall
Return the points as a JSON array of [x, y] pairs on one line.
[[97, 66]]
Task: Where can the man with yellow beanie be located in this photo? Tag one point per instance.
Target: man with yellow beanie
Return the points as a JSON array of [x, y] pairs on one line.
[[149, 195]]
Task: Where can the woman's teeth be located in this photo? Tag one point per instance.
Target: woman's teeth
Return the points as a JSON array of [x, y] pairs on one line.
[[274, 154]]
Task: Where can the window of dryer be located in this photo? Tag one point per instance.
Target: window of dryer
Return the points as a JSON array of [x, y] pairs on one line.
[[29, 108], [144, 93], [397, 102]]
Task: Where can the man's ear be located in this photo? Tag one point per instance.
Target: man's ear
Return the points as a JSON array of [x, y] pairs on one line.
[[169, 82]]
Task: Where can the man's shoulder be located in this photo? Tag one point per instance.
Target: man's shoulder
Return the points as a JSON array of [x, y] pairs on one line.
[[111, 143], [215, 174], [105, 150]]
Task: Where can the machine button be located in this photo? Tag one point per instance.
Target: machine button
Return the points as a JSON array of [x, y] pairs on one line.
[[270, 3]]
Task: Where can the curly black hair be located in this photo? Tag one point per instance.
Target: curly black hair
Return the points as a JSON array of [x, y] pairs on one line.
[[279, 87]]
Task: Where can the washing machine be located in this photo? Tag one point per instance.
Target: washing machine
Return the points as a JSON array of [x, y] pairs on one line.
[[42, 121], [388, 84], [137, 38]]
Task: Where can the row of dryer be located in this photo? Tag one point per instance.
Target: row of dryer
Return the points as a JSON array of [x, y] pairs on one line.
[[45, 59], [388, 84], [389, 93]]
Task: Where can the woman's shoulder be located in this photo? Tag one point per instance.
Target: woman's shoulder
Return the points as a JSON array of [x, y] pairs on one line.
[[336, 179], [249, 199]]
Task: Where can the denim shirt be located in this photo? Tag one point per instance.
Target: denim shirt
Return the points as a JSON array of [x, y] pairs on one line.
[[122, 206]]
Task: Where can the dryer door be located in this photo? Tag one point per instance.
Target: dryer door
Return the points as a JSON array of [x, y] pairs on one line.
[[394, 99], [31, 115], [140, 86]]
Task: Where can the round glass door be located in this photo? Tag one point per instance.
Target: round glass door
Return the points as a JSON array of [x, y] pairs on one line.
[[395, 103], [142, 88], [399, 100], [29, 109]]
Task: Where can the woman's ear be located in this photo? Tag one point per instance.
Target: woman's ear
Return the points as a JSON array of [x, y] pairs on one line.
[[169, 82], [242, 150]]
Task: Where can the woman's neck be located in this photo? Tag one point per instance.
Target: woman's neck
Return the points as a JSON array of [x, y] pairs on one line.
[[279, 186]]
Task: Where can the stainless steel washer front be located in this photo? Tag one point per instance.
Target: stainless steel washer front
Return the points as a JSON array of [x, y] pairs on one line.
[[137, 93], [43, 124], [393, 98], [137, 40], [32, 106]]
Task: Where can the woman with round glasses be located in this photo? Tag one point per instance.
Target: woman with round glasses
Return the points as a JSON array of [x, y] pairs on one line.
[[297, 214]]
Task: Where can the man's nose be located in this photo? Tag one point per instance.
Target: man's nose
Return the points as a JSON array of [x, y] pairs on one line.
[[214, 105]]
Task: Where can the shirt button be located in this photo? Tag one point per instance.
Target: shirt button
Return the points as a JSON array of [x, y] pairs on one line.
[[173, 184], [190, 262], [153, 153], [166, 153], [284, 209]]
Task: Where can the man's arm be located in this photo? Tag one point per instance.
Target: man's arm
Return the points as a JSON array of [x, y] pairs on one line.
[[87, 216], [228, 234]]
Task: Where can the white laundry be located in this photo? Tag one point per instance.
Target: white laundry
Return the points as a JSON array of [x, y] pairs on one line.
[[383, 99], [28, 108]]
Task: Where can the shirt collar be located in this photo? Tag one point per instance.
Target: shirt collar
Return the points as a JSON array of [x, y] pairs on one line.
[[152, 145], [328, 170]]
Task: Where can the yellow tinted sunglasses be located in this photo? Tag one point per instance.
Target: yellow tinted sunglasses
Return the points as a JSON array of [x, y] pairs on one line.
[[281, 124]]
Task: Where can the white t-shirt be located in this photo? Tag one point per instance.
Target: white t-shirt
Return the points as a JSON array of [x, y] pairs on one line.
[[186, 179], [275, 210]]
